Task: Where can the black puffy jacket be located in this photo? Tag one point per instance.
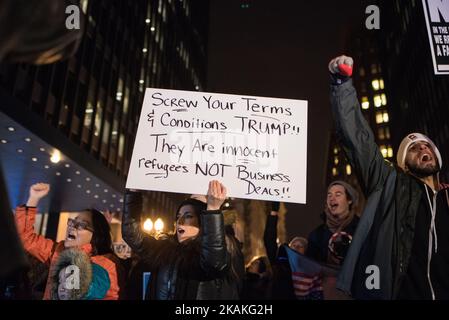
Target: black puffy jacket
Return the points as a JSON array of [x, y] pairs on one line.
[[192, 270]]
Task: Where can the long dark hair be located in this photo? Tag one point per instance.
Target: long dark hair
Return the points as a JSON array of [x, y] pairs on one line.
[[101, 237]]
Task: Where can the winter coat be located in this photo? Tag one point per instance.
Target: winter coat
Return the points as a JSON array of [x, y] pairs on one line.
[[194, 269], [318, 240], [385, 233], [48, 251], [93, 280]]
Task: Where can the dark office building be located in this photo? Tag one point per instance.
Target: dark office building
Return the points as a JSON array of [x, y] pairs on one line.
[[419, 98], [72, 124]]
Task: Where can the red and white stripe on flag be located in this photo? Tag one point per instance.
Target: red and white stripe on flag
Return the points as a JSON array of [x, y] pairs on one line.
[[305, 284]]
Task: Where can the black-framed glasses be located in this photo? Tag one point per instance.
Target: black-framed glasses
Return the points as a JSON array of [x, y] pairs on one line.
[[79, 225]]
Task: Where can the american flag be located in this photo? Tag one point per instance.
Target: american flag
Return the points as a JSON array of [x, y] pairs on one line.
[[307, 276], [307, 286]]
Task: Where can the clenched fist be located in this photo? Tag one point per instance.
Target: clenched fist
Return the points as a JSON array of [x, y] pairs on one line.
[[216, 195], [342, 65], [37, 192]]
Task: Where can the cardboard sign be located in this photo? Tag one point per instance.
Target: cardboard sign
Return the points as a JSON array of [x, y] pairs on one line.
[[436, 13], [255, 146]]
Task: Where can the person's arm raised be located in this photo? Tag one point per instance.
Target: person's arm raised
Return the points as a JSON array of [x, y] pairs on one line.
[[355, 135], [25, 216]]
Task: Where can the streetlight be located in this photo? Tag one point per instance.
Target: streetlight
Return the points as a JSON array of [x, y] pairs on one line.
[[158, 225], [56, 157], [148, 225]]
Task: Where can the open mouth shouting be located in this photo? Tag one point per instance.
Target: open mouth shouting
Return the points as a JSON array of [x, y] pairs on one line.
[[426, 157], [333, 207], [181, 231]]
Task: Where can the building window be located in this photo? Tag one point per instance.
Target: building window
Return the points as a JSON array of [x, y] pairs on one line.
[[378, 84], [383, 133], [362, 72], [348, 170], [383, 98], [334, 171], [84, 4], [374, 68], [336, 160], [382, 117], [377, 101], [121, 145], [335, 150], [119, 94], [390, 152], [365, 103], [384, 151], [387, 151]]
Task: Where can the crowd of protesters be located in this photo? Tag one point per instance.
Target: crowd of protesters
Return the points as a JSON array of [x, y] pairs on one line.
[[402, 230]]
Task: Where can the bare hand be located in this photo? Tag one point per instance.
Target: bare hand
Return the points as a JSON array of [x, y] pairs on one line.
[[334, 64], [37, 192], [216, 195]]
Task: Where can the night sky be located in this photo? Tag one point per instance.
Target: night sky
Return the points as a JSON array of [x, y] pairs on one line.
[[281, 49]]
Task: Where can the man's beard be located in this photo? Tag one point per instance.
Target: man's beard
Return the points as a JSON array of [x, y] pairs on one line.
[[423, 172]]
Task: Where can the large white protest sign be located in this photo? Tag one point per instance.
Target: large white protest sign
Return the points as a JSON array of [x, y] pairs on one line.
[[436, 13], [255, 146]]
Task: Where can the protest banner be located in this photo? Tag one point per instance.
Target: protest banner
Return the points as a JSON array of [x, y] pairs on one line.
[[436, 13], [256, 146]]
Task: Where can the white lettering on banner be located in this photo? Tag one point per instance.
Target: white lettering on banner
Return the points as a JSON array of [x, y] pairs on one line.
[[436, 13], [437, 8], [256, 146]]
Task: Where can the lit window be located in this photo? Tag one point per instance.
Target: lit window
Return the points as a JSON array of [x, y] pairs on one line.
[[119, 93], [377, 101], [365, 103], [384, 151], [348, 169], [121, 145], [335, 150], [381, 84], [379, 117], [387, 132], [336, 160], [384, 99], [84, 4], [390, 152], [382, 117], [376, 85], [334, 171]]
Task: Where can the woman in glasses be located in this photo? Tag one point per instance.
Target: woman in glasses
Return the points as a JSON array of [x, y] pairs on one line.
[[89, 233]]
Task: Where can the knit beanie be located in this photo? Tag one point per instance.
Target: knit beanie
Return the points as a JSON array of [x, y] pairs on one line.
[[407, 142]]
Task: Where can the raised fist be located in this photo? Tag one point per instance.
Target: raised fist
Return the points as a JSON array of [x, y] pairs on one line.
[[37, 192], [342, 65]]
